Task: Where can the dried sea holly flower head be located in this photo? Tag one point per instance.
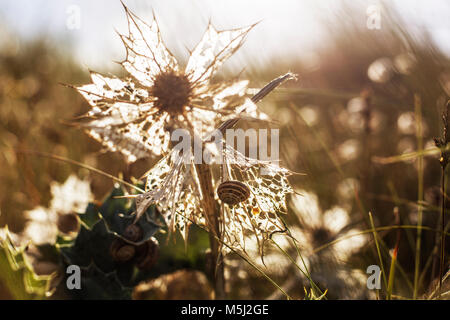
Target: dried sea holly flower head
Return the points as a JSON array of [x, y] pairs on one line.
[[136, 115], [173, 184]]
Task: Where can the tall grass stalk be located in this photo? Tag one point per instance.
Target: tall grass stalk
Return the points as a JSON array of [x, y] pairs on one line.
[[392, 274], [409, 235], [375, 236], [442, 252], [418, 114], [394, 257]]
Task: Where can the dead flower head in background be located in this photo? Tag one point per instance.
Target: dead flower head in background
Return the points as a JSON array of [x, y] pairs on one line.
[[136, 115]]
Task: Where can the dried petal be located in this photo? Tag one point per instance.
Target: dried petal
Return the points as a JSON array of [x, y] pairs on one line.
[[134, 140], [104, 91], [214, 48], [259, 214], [171, 185], [147, 56]]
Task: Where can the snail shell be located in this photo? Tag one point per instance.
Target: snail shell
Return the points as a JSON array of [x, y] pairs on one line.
[[147, 254], [120, 251], [133, 233], [233, 192]]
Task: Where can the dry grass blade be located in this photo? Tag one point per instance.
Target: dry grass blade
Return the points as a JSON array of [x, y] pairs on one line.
[[375, 236], [81, 165], [408, 156], [390, 286]]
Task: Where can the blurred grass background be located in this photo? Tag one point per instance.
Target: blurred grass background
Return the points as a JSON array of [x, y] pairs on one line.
[[334, 120]]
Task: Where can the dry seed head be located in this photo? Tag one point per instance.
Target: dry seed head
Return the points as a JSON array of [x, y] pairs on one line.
[[136, 115], [172, 92]]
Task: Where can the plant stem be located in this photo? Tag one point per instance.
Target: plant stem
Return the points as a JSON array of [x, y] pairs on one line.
[[366, 164], [442, 255], [212, 215], [394, 257], [391, 274], [375, 236], [444, 161]]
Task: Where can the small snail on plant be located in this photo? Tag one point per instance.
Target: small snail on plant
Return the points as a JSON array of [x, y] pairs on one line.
[[147, 254], [133, 233], [231, 191], [144, 255], [120, 251]]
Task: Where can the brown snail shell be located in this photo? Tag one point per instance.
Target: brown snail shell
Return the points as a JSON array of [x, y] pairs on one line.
[[147, 254], [233, 192], [133, 233], [120, 251]]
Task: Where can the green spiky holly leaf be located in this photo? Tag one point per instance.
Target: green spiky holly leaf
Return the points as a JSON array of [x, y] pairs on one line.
[[17, 274], [100, 226], [118, 215], [99, 285], [90, 216], [91, 246]]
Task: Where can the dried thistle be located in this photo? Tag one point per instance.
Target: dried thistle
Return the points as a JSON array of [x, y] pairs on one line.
[[442, 142], [173, 184], [136, 115]]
